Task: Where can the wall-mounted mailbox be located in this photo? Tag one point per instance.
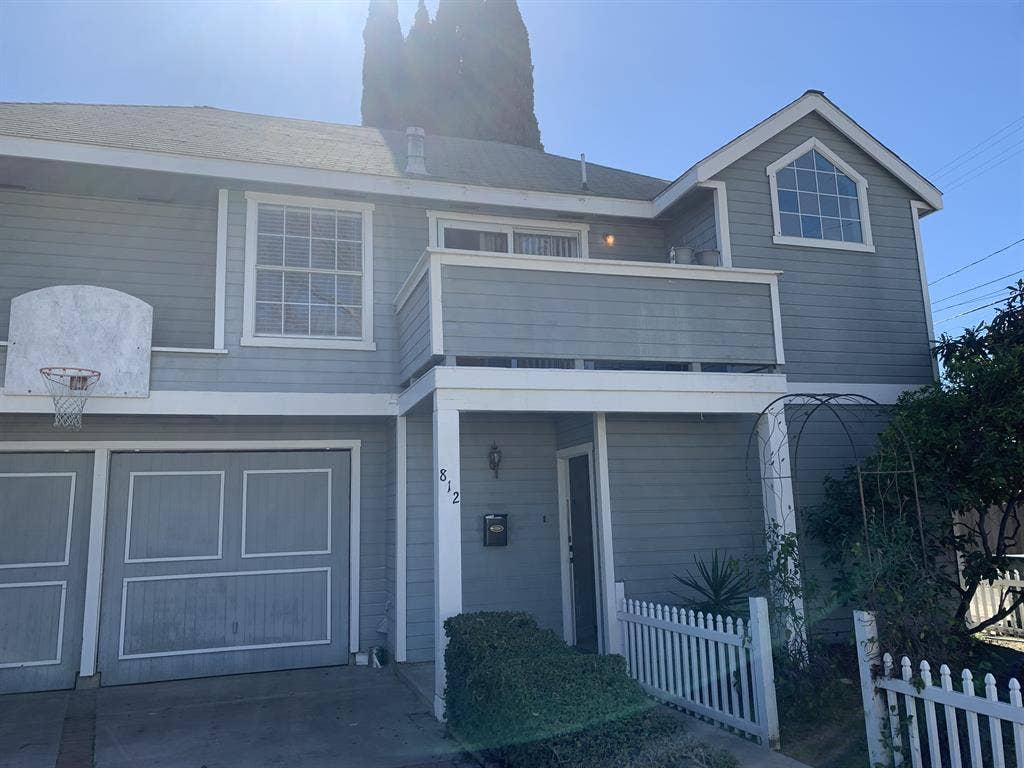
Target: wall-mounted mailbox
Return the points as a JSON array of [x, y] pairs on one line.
[[495, 530]]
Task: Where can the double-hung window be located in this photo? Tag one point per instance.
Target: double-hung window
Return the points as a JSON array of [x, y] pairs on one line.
[[513, 236], [818, 200], [308, 278]]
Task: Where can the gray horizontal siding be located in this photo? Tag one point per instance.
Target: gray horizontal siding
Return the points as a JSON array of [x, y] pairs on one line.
[[574, 429], [846, 316], [680, 489], [634, 241], [420, 539], [513, 312], [693, 226], [414, 330], [372, 433], [162, 253]]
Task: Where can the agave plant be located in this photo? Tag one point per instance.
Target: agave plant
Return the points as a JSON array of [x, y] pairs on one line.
[[722, 584]]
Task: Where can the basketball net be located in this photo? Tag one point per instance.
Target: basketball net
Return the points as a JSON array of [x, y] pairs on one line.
[[69, 388]]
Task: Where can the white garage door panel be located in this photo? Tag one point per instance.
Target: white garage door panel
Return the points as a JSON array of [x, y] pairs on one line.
[[206, 613], [224, 562], [44, 532]]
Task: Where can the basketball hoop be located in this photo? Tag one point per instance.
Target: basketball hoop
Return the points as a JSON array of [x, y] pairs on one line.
[[69, 388]]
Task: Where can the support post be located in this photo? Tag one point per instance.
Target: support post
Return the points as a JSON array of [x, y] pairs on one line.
[[620, 605], [777, 488], [447, 539], [401, 539], [612, 638], [764, 671], [94, 567], [869, 658]]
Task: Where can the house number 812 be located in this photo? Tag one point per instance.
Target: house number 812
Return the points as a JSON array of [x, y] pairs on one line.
[[453, 492]]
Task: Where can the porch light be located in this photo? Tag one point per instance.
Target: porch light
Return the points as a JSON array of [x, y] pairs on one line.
[[494, 458], [609, 239]]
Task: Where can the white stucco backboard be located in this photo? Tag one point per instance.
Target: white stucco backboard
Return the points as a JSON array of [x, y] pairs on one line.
[[81, 326]]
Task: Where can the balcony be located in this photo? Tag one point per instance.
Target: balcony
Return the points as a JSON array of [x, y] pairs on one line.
[[457, 304]]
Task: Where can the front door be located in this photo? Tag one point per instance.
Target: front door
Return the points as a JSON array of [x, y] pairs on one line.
[[581, 554]]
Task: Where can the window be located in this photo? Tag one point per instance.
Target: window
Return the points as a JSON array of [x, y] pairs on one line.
[[308, 273], [515, 236], [817, 200]]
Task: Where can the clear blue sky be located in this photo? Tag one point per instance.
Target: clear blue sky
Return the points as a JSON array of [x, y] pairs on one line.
[[648, 86]]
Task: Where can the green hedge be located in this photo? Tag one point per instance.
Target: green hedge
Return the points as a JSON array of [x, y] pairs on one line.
[[522, 696]]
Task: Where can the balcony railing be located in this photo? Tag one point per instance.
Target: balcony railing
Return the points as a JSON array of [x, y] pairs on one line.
[[478, 305]]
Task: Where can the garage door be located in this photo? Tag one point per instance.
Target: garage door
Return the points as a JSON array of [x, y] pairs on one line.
[[221, 563], [44, 538]]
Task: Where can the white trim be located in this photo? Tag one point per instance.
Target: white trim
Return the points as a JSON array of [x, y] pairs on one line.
[[94, 561], [564, 523], [886, 394], [574, 390], [916, 206], [436, 220], [191, 350], [721, 220], [777, 337], [199, 403], [60, 625], [355, 519], [128, 522], [812, 101], [249, 336], [862, 200], [68, 528], [245, 510], [401, 539], [221, 279], [180, 446], [317, 177], [194, 651], [611, 638]]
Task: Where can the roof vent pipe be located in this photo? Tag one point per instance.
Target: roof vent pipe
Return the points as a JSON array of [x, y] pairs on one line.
[[415, 161], [583, 171]]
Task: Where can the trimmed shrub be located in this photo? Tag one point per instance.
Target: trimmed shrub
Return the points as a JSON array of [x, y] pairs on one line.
[[522, 696]]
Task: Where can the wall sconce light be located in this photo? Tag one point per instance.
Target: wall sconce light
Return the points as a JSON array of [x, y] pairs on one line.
[[609, 239], [494, 458]]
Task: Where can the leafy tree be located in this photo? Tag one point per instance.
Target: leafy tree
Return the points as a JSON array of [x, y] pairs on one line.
[[921, 566], [384, 72]]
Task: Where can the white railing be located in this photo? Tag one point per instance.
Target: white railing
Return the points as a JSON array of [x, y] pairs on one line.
[[991, 597], [911, 719], [715, 667]]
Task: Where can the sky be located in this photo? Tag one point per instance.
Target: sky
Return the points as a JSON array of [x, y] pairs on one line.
[[646, 86]]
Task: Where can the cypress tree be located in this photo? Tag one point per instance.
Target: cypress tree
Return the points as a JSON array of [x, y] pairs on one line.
[[421, 59], [507, 70], [384, 81]]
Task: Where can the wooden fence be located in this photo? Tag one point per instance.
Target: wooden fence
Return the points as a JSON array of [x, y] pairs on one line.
[[989, 597], [912, 719], [714, 667]]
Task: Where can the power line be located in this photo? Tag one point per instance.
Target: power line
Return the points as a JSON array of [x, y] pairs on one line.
[[970, 312], [979, 156], [971, 300], [941, 170], [975, 287], [978, 261], [983, 169]]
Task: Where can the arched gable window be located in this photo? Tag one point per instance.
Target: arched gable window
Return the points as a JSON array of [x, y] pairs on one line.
[[818, 200]]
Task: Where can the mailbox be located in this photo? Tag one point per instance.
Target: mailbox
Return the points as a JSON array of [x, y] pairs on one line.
[[495, 530]]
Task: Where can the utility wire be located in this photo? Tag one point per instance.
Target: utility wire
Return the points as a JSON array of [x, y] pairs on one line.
[[974, 288], [978, 261], [981, 170], [944, 169], [970, 312], [971, 300]]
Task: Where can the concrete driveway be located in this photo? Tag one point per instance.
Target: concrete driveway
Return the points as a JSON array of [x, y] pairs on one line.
[[354, 717]]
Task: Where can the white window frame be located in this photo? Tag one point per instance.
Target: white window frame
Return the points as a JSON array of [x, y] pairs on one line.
[[249, 337], [438, 220], [862, 201]]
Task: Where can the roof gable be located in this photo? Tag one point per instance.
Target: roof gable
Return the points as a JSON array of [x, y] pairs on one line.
[[811, 101]]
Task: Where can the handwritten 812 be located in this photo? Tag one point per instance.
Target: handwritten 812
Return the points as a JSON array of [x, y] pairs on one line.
[[452, 492]]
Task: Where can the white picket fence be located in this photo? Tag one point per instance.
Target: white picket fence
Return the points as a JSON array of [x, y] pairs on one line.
[[715, 667], [913, 720], [987, 600]]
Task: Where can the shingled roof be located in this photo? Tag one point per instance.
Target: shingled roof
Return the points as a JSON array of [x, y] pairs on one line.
[[209, 132]]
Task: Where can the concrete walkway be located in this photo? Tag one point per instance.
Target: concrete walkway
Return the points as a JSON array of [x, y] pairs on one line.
[[748, 754], [314, 718]]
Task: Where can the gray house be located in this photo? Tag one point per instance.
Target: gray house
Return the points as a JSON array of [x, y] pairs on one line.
[[353, 382]]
